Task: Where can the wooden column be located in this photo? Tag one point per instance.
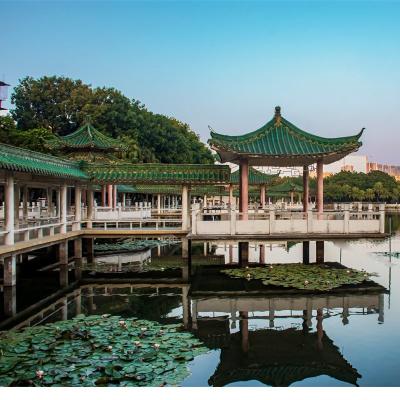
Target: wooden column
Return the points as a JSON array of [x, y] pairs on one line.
[[262, 195], [306, 189], [49, 197], [25, 200], [63, 208], [320, 186], [158, 203], [9, 209], [244, 188], [90, 207]]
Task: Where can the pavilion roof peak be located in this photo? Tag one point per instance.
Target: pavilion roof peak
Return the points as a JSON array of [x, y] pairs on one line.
[[281, 143], [87, 137]]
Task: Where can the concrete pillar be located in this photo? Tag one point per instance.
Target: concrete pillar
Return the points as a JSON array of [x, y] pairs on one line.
[[306, 189], [9, 210], [10, 300], [306, 252], [185, 248], [78, 258], [63, 260], [320, 186], [159, 203], [90, 207], [10, 271], [78, 302], [262, 195], [231, 199], [63, 208], [16, 205], [320, 256], [185, 207], [244, 188], [78, 208], [25, 199], [262, 254]]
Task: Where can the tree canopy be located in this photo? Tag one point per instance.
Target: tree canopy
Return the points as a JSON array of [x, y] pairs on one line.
[[59, 105]]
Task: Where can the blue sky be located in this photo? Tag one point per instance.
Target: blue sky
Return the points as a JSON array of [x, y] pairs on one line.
[[333, 67]]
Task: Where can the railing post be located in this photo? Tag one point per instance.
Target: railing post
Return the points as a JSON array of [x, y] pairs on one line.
[[271, 221], [309, 221], [381, 218], [232, 221]]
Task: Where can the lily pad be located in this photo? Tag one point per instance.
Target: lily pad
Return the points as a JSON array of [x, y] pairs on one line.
[[97, 350]]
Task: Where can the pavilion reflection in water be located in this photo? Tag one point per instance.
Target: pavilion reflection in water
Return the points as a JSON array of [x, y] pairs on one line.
[[276, 357]]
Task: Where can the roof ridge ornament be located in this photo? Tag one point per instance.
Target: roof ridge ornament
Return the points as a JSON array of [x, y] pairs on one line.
[[278, 120]]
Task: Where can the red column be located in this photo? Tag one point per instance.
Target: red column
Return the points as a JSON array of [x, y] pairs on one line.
[[109, 195], [244, 188], [320, 186], [305, 188], [114, 196]]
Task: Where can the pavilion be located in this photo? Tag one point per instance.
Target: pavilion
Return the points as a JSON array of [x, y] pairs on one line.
[[280, 143]]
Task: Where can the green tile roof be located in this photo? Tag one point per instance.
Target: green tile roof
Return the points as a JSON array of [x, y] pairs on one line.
[[23, 160], [256, 177], [86, 137], [279, 142], [126, 173]]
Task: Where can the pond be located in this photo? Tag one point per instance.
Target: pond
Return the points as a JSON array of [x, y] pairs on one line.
[[255, 335]]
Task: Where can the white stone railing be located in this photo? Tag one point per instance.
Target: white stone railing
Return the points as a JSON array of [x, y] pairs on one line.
[[135, 224], [121, 213], [288, 222]]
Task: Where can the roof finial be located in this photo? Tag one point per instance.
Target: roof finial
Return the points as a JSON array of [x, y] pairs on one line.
[[277, 116]]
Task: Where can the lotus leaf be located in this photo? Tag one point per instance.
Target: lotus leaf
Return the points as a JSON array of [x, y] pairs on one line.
[[97, 350], [318, 277]]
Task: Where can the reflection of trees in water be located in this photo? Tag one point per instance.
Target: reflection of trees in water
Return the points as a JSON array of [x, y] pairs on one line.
[[149, 307]]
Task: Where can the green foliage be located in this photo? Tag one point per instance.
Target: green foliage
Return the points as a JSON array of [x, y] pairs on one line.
[[300, 276], [33, 139], [61, 105], [97, 351]]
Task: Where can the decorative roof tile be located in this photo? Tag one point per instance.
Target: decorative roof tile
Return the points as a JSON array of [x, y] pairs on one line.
[[86, 137], [126, 173], [279, 142], [23, 160]]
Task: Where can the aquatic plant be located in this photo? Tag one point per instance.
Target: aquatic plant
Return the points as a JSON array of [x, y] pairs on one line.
[[319, 277], [97, 351]]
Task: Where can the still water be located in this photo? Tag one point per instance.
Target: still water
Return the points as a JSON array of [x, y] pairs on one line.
[[256, 337]]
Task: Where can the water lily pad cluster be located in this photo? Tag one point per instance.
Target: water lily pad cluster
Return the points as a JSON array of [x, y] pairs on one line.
[[97, 351], [130, 245], [319, 277]]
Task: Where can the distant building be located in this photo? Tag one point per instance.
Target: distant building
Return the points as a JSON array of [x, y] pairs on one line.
[[393, 170]]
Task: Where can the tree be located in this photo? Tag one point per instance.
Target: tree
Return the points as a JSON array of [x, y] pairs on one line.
[[61, 105]]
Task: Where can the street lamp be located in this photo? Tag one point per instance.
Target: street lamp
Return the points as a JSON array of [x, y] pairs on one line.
[[3, 93]]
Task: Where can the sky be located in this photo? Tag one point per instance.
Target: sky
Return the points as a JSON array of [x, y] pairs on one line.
[[332, 66]]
